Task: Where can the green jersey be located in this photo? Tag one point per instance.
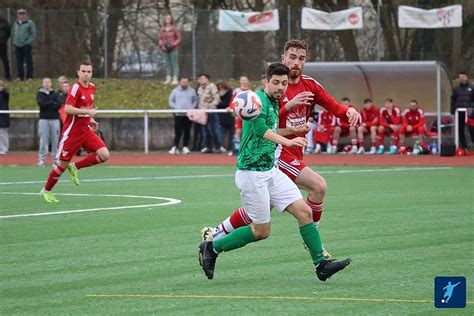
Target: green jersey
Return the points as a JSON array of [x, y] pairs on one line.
[[255, 152]]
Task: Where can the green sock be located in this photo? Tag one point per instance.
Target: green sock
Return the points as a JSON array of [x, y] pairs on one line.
[[312, 239], [237, 239]]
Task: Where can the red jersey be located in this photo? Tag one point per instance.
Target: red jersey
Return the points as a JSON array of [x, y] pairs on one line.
[[300, 114], [344, 122], [327, 119], [81, 98], [393, 117], [369, 116], [414, 118]]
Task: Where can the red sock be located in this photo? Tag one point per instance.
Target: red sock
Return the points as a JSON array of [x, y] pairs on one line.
[[317, 208], [380, 137], [361, 144], [90, 160], [53, 177], [373, 143], [396, 137], [334, 142], [239, 218], [354, 142]]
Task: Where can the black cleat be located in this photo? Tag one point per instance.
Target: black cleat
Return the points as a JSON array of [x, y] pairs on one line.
[[207, 258], [327, 268]]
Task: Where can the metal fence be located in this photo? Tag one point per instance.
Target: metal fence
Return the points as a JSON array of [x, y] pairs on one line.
[[124, 43]]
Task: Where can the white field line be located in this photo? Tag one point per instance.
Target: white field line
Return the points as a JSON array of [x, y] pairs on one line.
[[168, 201], [209, 176]]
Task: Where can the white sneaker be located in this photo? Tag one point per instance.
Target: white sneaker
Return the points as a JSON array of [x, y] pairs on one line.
[[205, 150], [186, 150], [329, 149], [173, 151], [373, 150], [353, 150], [317, 150], [41, 164], [222, 150], [361, 150], [168, 80], [175, 80]]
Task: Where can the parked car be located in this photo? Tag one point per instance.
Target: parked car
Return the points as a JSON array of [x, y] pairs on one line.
[[144, 64]]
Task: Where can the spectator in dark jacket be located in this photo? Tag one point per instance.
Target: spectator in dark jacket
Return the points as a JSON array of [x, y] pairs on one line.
[[4, 36], [226, 120], [463, 97], [49, 126], [23, 36], [4, 119]]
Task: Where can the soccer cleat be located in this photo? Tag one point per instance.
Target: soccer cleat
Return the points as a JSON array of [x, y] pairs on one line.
[[373, 150], [207, 258], [206, 234], [48, 196], [393, 150], [360, 151], [74, 173], [381, 150], [326, 268]]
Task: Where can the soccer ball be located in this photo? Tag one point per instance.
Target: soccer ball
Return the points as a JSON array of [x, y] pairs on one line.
[[247, 105]]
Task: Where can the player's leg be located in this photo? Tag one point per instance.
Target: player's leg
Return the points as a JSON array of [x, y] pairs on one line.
[[255, 196], [402, 135], [361, 131], [373, 139], [395, 138], [353, 136], [381, 135], [316, 186], [238, 219], [335, 139], [43, 133]]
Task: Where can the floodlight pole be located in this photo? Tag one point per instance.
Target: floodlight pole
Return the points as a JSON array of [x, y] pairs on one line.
[[378, 29], [438, 102]]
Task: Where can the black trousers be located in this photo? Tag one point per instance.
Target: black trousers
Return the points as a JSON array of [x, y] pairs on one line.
[[461, 130], [182, 127], [6, 63], [24, 55]]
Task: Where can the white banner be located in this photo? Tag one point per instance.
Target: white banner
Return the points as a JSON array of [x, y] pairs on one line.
[[340, 20], [248, 21], [430, 19]]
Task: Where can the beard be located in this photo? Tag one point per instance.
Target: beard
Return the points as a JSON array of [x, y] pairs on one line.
[[294, 73]]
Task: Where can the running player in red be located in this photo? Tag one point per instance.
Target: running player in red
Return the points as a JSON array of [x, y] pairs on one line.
[[343, 128], [413, 124], [78, 131], [296, 105], [390, 122], [370, 122]]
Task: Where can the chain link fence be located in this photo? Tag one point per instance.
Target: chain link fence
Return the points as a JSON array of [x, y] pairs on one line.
[[124, 43]]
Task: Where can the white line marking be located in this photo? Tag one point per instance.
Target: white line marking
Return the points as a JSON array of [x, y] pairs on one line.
[[170, 201], [232, 174]]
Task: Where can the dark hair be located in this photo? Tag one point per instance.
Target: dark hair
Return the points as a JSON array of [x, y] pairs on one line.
[[277, 69], [367, 100], [223, 84], [346, 99], [463, 73], [263, 76], [83, 63], [296, 44], [413, 101], [388, 100], [184, 77], [203, 74]]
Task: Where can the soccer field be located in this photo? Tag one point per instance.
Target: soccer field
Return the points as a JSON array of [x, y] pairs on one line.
[[125, 241]]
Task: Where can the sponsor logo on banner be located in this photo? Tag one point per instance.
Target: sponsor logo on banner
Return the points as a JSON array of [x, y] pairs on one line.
[[339, 20], [411, 17], [236, 21]]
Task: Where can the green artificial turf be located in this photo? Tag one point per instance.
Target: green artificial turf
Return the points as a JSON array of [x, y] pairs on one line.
[[401, 226]]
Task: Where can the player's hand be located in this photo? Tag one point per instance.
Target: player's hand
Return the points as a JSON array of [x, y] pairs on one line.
[[94, 125], [303, 129], [92, 112], [297, 142], [353, 116], [409, 128], [303, 98]]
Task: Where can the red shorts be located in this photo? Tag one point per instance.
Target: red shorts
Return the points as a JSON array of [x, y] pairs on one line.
[[416, 131], [290, 165], [71, 143], [344, 131], [238, 123]]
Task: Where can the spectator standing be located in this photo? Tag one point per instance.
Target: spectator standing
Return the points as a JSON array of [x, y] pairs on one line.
[[48, 126], [227, 120], [4, 119], [209, 98], [183, 97], [5, 30], [169, 41], [23, 36], [463, 97]]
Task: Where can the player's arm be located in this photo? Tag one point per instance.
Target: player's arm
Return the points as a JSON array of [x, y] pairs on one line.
[[422, 120], [325, 100], [303, 129], [72, 110], [261, 130], [303, 98]]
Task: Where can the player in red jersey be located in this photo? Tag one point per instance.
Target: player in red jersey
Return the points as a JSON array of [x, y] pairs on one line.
[[324, 131], [343, 128], [370, 122], [296, 105], [413, 123], [78, 131], [390, 122]]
